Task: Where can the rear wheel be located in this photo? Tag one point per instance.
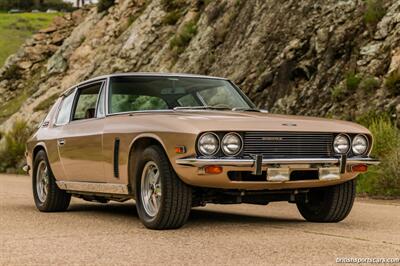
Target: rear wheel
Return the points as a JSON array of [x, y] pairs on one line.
[[48, 197], [163, 201], [329, 204]]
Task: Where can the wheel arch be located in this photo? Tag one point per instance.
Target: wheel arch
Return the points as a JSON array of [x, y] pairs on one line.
[[39, 146], [137, 146]]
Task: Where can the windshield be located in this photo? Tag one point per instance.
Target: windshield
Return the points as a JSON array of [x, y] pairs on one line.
[[162, 93]]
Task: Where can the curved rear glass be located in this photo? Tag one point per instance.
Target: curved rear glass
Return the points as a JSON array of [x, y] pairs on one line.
[[128, 94]]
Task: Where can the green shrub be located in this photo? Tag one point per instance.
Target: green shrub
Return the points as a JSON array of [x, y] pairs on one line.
[[182, 39], [172, 17], [337, 92], [12, 105], [12, 72], [352, 81], [392, 82], [369, 84], [374, 12], [384, 179], [12, 151], [104, 5]]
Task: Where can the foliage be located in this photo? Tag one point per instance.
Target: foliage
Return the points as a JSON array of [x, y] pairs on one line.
[[172, 17], [16, 28], [384, 179], [12, 151], [183, 38], [104, 5], [374, 11], [28, 5], [16, 4], [337, 92], [12, 72], [10, 107], [392, 82], [352, 81], [47, 103], [369, 84]]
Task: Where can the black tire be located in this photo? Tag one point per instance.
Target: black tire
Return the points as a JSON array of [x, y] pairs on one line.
[[55, 199], [176, 197], [330, 204]]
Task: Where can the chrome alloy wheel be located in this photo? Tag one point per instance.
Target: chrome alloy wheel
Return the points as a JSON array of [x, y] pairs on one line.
[[42, 181], [151, 188]]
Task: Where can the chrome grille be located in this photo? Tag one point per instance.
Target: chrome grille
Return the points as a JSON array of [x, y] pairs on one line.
[[288, 144]]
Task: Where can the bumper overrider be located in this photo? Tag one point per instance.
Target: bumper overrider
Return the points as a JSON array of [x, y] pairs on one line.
[[278, 170]]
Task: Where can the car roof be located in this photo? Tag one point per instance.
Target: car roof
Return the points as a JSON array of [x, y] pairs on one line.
[[140, 74]]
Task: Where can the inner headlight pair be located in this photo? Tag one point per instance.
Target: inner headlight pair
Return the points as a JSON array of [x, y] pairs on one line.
[[342, 144], [209, 144]]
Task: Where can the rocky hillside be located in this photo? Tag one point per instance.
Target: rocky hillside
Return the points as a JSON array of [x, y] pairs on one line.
[[324, 58]]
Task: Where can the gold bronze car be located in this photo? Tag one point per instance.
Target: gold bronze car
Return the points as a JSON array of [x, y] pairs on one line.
[[175, 141]]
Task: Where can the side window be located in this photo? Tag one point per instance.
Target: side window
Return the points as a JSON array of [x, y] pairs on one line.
[[85, 106], [65, 110], [100, 112]]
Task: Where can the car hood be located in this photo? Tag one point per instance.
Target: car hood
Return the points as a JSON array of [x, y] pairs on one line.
[[209, 120]]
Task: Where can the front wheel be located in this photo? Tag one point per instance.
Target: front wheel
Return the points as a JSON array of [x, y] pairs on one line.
[[163, 201], [329, 204], [48, 197]]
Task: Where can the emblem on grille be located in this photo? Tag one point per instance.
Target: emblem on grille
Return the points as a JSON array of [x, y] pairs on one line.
[[272, 138]]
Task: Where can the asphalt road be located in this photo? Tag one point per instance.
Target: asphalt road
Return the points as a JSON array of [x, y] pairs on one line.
[[111, 234]]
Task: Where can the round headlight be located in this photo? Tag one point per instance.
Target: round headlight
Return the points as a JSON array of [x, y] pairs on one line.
[[341, 144], [231, 144], [208, 144], [359, 145]]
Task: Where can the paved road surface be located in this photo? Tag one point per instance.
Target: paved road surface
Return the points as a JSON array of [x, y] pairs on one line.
[[110, 234]]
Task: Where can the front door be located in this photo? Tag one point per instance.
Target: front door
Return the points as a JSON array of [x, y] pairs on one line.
[[80, 142]]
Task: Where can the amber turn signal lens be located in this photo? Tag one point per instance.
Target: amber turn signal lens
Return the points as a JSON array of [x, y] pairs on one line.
[[180, 149], [213, 169], [359, 168]]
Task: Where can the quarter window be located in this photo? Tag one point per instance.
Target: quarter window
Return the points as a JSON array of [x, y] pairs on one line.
[[85, 107], [65, 110]]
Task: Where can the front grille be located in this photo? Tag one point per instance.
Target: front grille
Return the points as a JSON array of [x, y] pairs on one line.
[[289, 144]]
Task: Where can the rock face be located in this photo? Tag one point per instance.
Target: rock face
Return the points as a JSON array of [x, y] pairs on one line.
[[296, 57]]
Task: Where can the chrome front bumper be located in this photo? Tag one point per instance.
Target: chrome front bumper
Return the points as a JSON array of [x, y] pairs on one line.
[[252, 162], [279, 169]]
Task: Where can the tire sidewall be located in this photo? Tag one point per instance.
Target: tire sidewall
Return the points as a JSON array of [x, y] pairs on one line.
[[41, 156], [150, 154]]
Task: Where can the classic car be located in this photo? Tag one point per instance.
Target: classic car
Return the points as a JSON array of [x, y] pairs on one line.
[[176, 141]]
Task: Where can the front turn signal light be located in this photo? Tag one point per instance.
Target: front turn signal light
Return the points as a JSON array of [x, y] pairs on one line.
[[180, 149], [213, 169], [361, 168]]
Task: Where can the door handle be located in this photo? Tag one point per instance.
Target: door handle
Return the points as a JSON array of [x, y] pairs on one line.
[[61, 142]]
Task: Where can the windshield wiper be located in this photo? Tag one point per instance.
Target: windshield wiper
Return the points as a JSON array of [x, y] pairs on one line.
[[201, 108], [245, 109]]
